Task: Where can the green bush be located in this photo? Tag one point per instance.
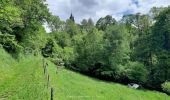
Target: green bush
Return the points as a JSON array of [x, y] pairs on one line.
[[136, 72], [166, 87]]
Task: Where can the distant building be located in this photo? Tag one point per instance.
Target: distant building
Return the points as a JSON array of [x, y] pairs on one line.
[[72, 17]]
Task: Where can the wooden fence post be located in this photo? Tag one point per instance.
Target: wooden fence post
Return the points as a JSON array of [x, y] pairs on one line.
[[52, 93], [48, 80], [45, 65], [44, 69]]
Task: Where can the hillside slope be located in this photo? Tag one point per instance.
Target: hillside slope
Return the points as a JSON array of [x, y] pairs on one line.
[[74, 86], [25, 80]]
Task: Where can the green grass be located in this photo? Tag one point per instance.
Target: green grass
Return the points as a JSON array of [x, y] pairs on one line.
[[25, 80], [73, 86]]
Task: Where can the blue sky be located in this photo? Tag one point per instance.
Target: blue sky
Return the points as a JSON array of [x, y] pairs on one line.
[[95, 9]]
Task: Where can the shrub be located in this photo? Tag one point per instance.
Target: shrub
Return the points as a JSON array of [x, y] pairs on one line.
[[166, 87], [136, 72]]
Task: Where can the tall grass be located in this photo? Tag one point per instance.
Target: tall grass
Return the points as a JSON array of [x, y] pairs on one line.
[[23, 80]]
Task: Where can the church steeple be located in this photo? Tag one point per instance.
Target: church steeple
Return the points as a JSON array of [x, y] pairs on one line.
[[72, 17]]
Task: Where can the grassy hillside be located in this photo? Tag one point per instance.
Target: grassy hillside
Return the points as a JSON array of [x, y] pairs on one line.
[[25, 80], [73, 86], [21, 80]]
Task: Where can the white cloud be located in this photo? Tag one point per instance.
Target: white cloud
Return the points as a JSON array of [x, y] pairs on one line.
[[99, 8]]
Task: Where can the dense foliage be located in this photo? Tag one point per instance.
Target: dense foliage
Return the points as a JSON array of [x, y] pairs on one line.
[[166, 87], [135, 49]]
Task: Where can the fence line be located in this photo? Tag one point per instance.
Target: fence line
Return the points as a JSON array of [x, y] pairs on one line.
[[45, 67]]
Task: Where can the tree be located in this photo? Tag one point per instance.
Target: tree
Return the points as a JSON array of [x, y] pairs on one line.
[[161, 46], [71, 28], [155, 11], [117, 49], [55, 24], [87, 25], [10, 18], [136, 72], [84, 25], [152, 48], [103, 23], [84, 22], [90, 22], [63, 39], [137, 24], [89, 51], [34, 13]]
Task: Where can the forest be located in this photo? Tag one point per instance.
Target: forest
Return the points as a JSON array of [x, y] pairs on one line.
[[135, 49]]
